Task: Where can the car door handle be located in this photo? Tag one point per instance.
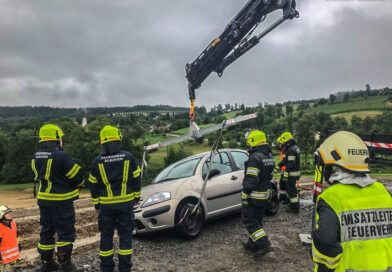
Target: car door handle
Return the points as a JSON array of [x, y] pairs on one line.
[[234, 177]]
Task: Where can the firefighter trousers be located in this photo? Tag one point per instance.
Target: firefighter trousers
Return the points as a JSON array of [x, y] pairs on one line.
[[58, 220], [252, 217], [283, 189], [122, 220], [292, 192]]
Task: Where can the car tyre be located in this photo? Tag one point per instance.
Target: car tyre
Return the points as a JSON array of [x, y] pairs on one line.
[[191, 225], [273, 203]]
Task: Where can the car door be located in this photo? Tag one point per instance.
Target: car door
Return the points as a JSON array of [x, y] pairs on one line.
[[221, 190], [239, 159]]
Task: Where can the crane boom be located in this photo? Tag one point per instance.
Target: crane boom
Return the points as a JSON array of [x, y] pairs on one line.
[[235, 41]]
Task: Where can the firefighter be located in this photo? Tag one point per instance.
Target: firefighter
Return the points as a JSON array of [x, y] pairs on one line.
[[9, 241], [59, 180], [283, 180], [353, 227], [115, 187], [256, 192], [291, 162]]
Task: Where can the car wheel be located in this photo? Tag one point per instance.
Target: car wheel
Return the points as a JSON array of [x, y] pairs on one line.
[[273, 203], [189, 225]]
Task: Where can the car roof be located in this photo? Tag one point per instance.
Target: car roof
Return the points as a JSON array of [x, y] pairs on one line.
[[205, 153]]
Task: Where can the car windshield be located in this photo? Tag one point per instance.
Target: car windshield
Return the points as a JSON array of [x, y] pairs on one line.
[[182, 169]]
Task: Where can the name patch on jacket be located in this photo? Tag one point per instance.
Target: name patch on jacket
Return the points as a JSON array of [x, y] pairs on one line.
[[269, 162], [366, 224], [42, 155], [113, 158]]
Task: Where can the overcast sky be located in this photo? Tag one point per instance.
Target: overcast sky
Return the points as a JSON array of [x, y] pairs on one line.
[[121, 53]]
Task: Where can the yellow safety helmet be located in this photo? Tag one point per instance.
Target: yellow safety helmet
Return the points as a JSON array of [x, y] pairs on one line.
[[4, 210], [279, 140], [109, 134], [285, 137], [256, 137], [50, 132], [346, 150]]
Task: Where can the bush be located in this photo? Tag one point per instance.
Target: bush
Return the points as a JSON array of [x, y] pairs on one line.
[[174, 155], [233, 144]]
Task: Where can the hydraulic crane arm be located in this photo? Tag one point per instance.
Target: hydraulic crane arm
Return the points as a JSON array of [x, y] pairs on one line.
[[235, 41]]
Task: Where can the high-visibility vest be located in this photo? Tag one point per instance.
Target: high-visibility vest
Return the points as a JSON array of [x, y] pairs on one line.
[[9, 247], [365, 216], [281, 158]]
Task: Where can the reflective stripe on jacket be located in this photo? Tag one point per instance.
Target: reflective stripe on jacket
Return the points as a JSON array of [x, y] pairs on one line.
[[115, 179], [57, 174], [365, 219], [9, 247]]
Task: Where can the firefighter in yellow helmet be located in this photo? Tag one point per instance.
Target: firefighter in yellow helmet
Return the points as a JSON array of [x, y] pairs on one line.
[[291, 164], [60, 179], [353, 227], [256, 192], [115, 186]]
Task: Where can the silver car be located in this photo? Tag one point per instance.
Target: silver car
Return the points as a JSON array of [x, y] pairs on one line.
[[168, 201]]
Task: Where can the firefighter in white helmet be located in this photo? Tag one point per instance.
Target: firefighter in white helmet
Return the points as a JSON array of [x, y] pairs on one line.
[[9, 241], [353, 227]]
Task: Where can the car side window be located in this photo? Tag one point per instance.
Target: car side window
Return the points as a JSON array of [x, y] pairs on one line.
[[240, 158], [221, 162]]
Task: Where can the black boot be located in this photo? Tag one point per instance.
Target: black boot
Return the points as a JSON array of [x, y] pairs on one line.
[[263, 251], [294, 207], [65, 262], [248, 246], [48, 264]]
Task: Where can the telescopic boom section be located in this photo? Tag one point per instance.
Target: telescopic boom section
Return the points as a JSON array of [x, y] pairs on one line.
[[235, 41]]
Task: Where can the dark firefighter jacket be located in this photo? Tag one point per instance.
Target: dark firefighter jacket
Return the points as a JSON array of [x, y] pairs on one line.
[[58, 175], [258, 173], [115, 178], [291, 159]]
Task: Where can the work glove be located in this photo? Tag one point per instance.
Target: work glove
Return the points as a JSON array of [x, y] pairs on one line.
[[245, 198], [81, 185]]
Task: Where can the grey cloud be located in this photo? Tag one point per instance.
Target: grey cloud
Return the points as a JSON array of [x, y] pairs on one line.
[[121, 53]]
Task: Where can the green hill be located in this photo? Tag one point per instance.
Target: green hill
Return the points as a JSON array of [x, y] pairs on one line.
[[373, 103]]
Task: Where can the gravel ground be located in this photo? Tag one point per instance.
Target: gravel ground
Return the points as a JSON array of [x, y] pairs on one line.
[[218, 248]]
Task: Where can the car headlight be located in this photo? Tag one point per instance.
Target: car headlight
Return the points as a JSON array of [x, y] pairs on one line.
[[156, 198]]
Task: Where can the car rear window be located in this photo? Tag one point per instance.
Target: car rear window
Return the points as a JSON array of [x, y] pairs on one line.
[[239, 158], [221, 162]]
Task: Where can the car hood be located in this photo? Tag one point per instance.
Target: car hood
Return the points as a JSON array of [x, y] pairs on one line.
[[172, 186]]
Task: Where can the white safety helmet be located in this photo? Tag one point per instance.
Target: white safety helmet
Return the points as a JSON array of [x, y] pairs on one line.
[[345, 150], [4, 210]]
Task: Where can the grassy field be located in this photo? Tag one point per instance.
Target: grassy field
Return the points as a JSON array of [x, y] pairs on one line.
[[16, 186], [358, 104], [229, 115], [360, 114], [154, 139]]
